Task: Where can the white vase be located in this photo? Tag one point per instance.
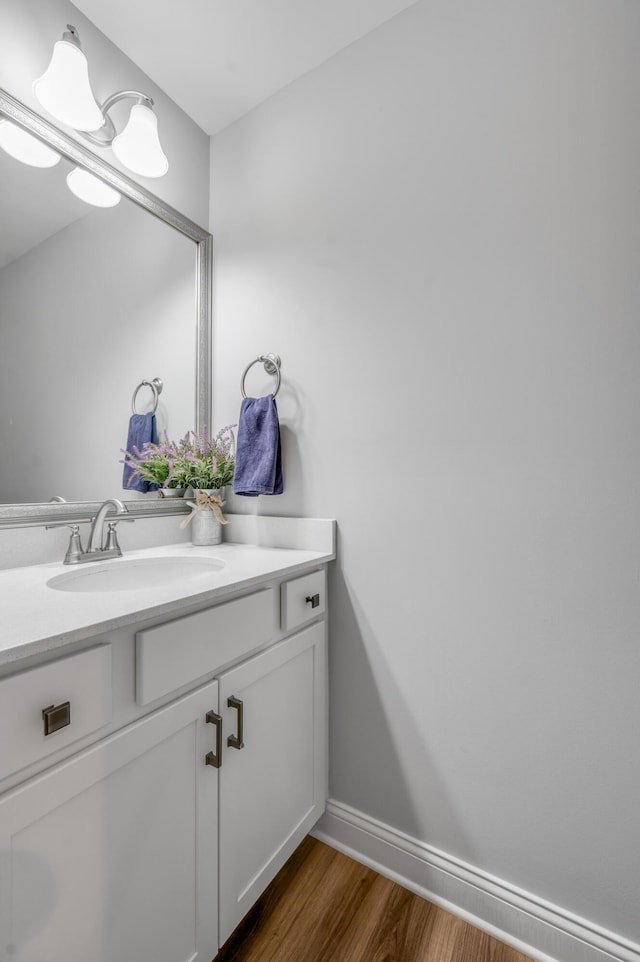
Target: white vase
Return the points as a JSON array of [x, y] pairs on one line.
[[205, 527]]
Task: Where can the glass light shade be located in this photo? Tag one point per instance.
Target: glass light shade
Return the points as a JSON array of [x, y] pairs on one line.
[[91, 189], [25, 147], [64, 89], [138, 146]]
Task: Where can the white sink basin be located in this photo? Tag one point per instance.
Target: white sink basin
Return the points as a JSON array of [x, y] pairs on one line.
[[137, 573]]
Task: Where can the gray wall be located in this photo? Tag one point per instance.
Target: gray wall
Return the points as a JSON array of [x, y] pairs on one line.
[[28, 30], [439, 231]]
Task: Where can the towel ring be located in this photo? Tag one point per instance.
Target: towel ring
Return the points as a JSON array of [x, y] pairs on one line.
[[271, 364], [156, 386]]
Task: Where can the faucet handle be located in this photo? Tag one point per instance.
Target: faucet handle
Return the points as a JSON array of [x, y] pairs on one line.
[[75, 550], [111, 543]]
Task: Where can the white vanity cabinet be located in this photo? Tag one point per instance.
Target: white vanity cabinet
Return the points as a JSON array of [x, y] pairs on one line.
[[272, 779], [272, 774], [112, 854], [154, 840]]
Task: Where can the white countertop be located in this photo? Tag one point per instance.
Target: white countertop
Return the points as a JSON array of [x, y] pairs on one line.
[[36, 618]]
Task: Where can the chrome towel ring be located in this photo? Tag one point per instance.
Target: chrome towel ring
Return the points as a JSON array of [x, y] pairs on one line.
[[271, 364], [156, 386]]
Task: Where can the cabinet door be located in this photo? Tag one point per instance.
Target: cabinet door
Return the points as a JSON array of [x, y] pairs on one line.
[[273, 789], [111, 856]]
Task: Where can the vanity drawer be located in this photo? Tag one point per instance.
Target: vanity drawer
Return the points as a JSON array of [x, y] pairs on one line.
[[181, 651], [67, 698], [302, 599]]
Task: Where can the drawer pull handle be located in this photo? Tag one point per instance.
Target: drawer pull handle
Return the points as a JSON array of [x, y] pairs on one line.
[[56, 717], [236, 741], [313, 600], [215, 758]]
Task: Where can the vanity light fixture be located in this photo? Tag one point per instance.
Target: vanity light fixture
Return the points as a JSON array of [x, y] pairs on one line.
[[138, 145], [64, 89], [65, 92], [23, 146], [91, 189]]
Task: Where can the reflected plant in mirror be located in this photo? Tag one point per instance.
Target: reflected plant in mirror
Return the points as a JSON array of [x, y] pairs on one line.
[[93, 299]]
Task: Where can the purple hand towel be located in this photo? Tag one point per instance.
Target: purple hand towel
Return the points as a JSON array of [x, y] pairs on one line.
[[142, 430], [258, 453]]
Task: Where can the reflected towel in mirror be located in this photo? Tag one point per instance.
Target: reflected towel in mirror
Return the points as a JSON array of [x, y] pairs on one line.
[[142, 430]]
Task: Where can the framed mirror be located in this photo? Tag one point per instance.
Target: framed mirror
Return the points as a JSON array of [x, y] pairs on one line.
[[94, 301]]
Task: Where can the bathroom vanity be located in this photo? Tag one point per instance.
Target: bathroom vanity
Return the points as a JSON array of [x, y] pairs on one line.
[[164, 747]]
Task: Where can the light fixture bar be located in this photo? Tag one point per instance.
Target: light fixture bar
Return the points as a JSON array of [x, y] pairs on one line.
[[105, 135], [138, 145], [64, 90]]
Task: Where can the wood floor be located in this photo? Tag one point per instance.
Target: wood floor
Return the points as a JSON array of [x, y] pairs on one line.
[[324, 907]]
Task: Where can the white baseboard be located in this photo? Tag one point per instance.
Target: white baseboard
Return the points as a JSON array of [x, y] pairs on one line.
[[535, 927]]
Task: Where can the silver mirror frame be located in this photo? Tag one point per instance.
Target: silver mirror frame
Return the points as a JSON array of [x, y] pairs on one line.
[[21, 515]]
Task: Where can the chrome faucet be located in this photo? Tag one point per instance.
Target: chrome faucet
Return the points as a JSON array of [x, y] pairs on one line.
[[107, 548]]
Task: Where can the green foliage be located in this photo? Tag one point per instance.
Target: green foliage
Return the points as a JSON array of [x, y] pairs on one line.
[[196, 460]]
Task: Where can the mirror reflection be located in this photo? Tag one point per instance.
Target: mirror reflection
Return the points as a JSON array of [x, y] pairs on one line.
[[93, 300]]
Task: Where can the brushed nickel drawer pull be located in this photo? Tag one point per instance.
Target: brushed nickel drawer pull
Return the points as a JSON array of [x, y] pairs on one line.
[[313, 600], [56, 717], [212, 758], [236, 741]]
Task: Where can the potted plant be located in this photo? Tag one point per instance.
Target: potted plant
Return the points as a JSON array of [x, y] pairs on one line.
[[198, 462], [195, 461], [201, 462], [206, 465]]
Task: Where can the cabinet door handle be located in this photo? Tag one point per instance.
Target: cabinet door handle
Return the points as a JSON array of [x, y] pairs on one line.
[[56, 717], [313, 600], [236, 741], [215, 758]]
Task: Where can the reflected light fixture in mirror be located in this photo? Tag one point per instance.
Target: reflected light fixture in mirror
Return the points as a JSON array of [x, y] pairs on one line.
[[65, 92], [26, 148], [91, 189]]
